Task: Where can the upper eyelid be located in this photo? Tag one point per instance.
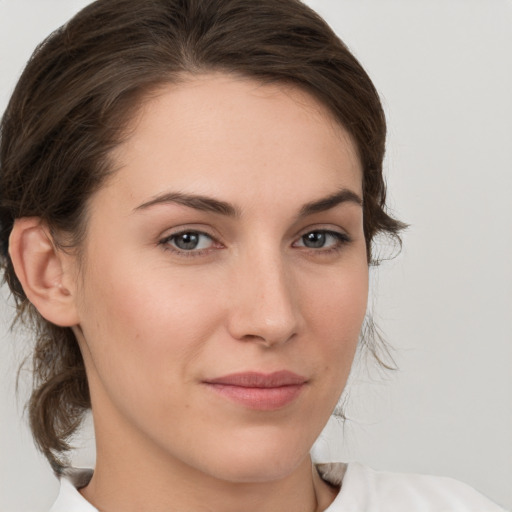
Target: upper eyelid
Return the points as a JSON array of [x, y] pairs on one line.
[[327, 228], [178, 233], [169, 233], [340, 235], [333, 232]]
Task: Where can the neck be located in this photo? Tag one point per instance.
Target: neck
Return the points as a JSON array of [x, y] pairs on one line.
[[133, 475], [137, 487]]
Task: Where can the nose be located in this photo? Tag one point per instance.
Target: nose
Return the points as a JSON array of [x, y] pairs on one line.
[[264, 304]]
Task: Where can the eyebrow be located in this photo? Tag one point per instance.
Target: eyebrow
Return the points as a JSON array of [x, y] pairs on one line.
[[198, 202], [209, 204], [321, 205]]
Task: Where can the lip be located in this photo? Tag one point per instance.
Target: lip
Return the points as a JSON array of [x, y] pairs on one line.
[[259, 391]]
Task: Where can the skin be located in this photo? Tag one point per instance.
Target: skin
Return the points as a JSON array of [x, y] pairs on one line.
[[155, 321]]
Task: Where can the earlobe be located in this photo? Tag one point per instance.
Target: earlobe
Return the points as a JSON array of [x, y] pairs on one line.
[[42, 271]]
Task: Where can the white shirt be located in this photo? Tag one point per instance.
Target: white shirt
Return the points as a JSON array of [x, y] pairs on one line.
[[362, 490]]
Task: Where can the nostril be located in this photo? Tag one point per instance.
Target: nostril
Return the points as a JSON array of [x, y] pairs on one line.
[[268, 341], [250, 326], [263, 306]]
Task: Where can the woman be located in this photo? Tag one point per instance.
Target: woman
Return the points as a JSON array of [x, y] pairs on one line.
[[190, 191]]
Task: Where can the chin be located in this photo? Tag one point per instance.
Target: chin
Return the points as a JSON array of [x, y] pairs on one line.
[[249, 470], [269, 458]]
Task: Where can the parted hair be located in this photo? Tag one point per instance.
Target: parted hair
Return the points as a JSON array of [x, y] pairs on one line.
[[75, 99]]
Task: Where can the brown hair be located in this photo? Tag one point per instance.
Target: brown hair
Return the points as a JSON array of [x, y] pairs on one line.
[[82, 86]]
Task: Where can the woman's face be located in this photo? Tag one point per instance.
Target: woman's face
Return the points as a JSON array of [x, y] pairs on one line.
[[224, 280]]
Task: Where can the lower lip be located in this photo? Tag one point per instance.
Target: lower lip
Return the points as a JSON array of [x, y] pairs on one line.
[[261, 399]]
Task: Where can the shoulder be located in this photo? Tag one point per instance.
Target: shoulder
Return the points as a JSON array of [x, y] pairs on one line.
[[366, 490], [69, 499]]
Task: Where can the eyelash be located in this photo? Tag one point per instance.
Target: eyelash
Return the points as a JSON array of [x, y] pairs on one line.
[[166, 244], [342, 240]]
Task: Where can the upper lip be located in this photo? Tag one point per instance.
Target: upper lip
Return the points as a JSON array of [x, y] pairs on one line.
[[259, 380]]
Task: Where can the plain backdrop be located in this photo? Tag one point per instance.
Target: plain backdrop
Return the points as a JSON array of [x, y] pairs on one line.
[[443, 68]]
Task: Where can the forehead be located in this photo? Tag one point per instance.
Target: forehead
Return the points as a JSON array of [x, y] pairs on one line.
[[235, 135]]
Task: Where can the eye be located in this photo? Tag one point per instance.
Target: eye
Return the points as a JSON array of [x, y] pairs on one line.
[[188, 241], [322, 239]]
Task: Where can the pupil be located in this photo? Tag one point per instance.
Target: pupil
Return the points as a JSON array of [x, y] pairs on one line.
[[315, 239], [187, 241]]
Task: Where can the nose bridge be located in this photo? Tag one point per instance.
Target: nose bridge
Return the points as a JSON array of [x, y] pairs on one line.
[[264, 303]]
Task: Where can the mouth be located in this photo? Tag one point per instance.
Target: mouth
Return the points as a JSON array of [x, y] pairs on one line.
[[259, 391]]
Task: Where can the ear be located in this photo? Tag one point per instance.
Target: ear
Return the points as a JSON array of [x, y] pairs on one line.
[[44, 271]]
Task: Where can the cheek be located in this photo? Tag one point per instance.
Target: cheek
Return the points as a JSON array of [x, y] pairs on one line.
[[335, 313], [338, 303], [142, 324]]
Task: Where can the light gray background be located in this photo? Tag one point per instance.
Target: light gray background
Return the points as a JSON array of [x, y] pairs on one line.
[[443, 68]]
